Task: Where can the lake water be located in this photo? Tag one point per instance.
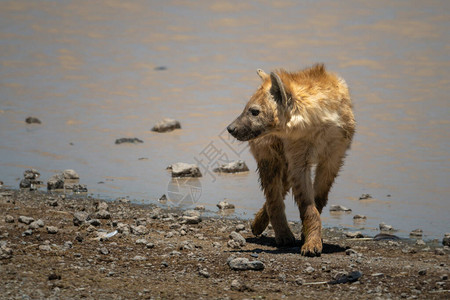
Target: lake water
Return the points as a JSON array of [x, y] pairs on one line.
[[91, 72]]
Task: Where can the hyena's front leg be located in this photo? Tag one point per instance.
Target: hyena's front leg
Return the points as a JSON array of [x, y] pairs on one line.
[[272, 175], [302, 188]]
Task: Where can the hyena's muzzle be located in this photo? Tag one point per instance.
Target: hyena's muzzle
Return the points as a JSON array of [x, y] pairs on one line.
[[243, 129]]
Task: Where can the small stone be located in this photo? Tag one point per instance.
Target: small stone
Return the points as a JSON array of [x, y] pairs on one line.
[[446, 240], [32, 120], [444, 277], [351, 252], [56, 182], [128, 140], [52, 229], [242, 264], [166, 125], [36, 224], [141, 242], [354, 235], [103, 214], [150, 245], [70, 174], [200, 207], [139, 230], [9, 219], [385, 227], [54, 276], [359, 217], [191, 219], [103, 251], [365, 197], [299, 281], [377, 275], [79, 218], [232, 167], [25, 220], [439, 251], [25, 183], [239, 239], [68, 244], [416, 232], [5, 252], [309, 270], [102, 206], [420, 243], [45, 248], [339, 208], [204, 273], [124, 200], [236, 285], [225, 205], [184, 170], [139, 258], [79, 188], [423, 272], [95, 222], [240, 227]]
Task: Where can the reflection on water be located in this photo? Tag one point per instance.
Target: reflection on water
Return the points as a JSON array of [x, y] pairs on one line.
[[92, 73]]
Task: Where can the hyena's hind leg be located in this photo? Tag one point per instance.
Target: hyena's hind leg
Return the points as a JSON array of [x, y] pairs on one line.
[[326, 172]]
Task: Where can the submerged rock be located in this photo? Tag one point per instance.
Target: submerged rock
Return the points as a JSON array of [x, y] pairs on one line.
[[232, 167], [55, 182], [70, 174], [166, 125], [339, 208], [32, 120], [184, 170], [225, 205], [385, 227], [416, 232], [446, 240], [365, 197], [128, 140]]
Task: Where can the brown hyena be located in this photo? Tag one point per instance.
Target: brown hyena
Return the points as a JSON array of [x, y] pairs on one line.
[[292, 122]]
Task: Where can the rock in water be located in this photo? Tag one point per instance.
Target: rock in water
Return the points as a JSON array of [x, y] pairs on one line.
[[225, 205], [339, 208], [385, 227], [70, 174], [184, 170], [416, 232], [32, 120], [166, 125], [128, 140], [55, 182], [232, 167], [446, 240]]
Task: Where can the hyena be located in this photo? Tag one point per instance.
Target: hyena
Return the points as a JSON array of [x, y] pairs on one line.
[[292, 122]]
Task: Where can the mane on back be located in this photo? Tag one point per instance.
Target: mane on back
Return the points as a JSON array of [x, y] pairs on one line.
[[317, 71]]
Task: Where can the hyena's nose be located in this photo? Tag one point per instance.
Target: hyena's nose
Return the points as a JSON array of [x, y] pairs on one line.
[[231, 129]]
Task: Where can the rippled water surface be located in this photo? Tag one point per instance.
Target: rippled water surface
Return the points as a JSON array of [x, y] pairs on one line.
[[91, 71]]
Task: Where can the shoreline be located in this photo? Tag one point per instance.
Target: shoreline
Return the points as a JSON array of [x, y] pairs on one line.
[[152, 252]]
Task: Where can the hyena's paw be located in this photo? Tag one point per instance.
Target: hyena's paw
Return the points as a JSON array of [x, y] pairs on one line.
[[258, 226], [285, 239], [312, 247]]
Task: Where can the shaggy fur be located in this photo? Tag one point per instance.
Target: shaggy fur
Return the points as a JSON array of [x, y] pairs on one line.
[[292, 122]]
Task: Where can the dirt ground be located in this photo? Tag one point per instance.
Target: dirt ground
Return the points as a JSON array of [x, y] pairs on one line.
[[160, 254]]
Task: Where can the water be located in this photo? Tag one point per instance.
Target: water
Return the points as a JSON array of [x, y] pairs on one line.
[[89, 72]]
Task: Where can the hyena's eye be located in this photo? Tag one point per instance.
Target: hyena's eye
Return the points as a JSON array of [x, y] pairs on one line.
[[254, 111]]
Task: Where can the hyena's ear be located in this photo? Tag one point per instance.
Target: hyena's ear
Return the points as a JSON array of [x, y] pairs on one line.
[[263, 75], [277, 90]]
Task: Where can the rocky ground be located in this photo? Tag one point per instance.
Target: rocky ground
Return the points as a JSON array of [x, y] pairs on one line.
[[52, 246]]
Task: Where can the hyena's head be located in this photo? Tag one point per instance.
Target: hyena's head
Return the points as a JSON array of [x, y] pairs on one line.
[[262, 113]]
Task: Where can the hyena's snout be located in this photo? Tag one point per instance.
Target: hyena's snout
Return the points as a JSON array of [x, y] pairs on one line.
[[232, 129]]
